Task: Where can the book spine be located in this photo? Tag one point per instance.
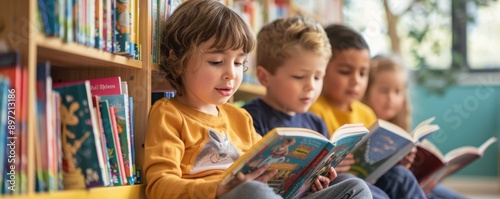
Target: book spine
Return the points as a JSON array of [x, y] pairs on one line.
[[122, 13]]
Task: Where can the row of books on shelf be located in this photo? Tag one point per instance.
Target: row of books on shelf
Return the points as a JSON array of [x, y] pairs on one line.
[[108, 25], [84, 134], [300, 155], [160, 11]]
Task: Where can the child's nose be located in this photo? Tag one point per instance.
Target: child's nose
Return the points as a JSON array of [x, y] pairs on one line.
[[230, 72]]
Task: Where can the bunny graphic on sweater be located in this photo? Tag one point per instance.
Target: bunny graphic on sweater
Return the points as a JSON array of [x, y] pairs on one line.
[[217, 153]]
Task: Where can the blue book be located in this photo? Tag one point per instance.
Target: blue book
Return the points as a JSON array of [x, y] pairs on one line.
[[385, 146], [121, 105], [4, 93], [83, 161], [46, 178], [299, 155], [112, 144]]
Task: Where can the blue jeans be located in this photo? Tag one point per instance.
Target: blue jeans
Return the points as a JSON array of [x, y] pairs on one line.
[[399, 182], [352, 188], [442, 192], [377, 193]]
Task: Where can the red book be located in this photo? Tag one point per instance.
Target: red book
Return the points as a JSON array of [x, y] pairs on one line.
[[100, 86], [14, 168], [431, 166]]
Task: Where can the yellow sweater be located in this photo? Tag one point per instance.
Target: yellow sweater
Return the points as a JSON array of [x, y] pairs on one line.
[[334, 118], [186, 150]]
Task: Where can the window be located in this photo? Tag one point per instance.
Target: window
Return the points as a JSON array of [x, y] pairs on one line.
[[430, 32]]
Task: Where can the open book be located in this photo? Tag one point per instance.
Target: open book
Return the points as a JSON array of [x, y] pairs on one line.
[[431, 166], [299, 155], [386, 145]]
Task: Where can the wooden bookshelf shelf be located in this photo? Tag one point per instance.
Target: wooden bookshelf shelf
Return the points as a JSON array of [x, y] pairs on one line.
[[252, 89], [64, 54], [249, 91], [119, 192], [154, 66]]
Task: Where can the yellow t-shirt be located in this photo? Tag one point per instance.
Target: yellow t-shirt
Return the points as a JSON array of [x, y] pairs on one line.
[[334, 118], [186, 150]]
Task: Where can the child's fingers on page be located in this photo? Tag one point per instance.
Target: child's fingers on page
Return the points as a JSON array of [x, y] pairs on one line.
[[267, 175], [257, 173]]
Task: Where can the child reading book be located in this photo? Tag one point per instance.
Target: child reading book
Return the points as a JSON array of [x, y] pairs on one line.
[[387, 95], [192, 138], [300, 155], [344, 84], [291, 59], [431, 166]]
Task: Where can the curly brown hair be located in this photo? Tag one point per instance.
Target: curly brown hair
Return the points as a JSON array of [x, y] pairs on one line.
[[195, 22]]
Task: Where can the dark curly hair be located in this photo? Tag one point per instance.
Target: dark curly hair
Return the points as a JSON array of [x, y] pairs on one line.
[[194, 22]]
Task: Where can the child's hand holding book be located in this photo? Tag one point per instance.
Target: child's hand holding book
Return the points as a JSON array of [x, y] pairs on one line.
[[345, 165], [322, 182]]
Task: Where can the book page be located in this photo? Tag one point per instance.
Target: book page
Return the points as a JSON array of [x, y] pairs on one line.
[[423, 123], [347, 130], [423, 131], [470, 150], [487, 144], [430, 147], [393, 129]]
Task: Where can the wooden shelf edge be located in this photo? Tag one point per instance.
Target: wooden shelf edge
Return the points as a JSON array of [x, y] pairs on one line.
[[252, 89], [154, 66], [118, 192], [74, 54]]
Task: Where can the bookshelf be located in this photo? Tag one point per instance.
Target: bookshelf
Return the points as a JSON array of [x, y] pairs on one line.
[[71, 61]]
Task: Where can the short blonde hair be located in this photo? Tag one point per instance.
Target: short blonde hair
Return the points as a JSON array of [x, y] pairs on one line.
[[280, 39], [383, 63], [195, 22]]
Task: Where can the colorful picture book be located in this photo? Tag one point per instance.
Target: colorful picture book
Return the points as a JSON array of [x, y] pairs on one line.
[[112, 143], [120, 103], [431, 166], [83, 162], [386, 145], [299, 155]]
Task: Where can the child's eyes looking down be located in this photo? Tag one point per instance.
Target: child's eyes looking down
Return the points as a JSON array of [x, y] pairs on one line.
[[237, 64]]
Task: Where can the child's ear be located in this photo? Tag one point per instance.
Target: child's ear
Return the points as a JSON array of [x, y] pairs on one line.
[[262, 75]]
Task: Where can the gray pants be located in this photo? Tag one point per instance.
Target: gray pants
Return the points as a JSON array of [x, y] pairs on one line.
[[351, 188]]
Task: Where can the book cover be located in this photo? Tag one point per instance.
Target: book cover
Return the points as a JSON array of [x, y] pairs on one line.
[[116, 136], [298, 154], [121, 107], [10, 67], [102, 140], [347, 137], [99, 24], [112, 144], [4, 93], [69, 16], [122, 28], [46, 135], [431, 167], [83, 165], [384, 146]]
